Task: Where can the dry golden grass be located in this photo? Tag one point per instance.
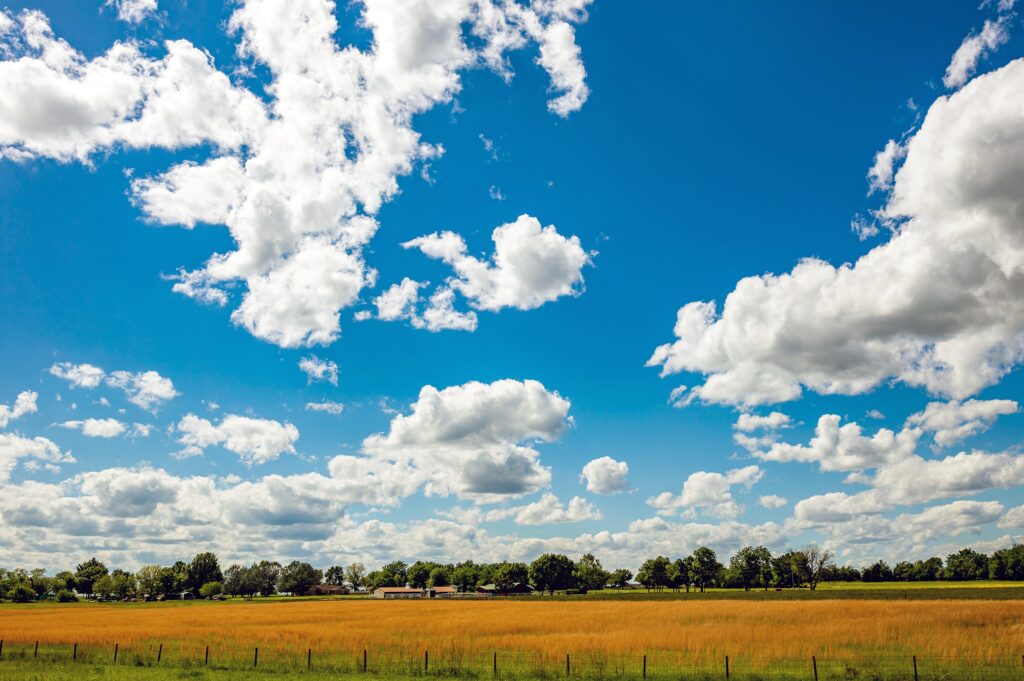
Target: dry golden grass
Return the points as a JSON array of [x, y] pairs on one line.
[[976, 628]]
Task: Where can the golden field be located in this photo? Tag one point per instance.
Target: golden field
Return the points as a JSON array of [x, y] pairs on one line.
[[975, 628]]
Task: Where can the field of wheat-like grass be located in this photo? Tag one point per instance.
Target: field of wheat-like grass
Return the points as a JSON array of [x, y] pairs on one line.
[[947, 628]]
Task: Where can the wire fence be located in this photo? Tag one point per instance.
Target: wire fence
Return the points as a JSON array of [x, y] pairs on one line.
[[455, 662]]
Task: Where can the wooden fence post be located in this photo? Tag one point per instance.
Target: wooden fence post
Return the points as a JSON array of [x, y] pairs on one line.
[[115, 652], [159, 653], [309, 659], [74, 653], [495, 663], [1, 647], [915, 667], [814, 663], [256, 656], [726, 666], [35, 653], [364, 659], [567, 670], [206, 659], [645, 666], [426, 661]]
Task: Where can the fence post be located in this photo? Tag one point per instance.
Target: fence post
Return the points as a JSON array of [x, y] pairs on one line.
[[74, 653], [206, 660], [256, 656], [645, 666], [364, 659], [726, 666], [115, 652], [309, 659], [567, 670], [915, 667], [426, 661], [159, 653], [496, 663], [814, 663], [1, 647], [35, 653]]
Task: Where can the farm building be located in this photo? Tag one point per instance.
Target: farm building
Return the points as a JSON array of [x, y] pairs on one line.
[[398, 592], [517, 589], [327, 590]]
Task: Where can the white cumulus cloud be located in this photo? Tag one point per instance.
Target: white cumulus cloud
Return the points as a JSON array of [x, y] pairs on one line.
[[940, 305], [24, 403], [605, 475], [255, 441]]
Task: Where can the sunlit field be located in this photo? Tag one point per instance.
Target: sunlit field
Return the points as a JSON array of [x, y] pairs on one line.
[[712, 628]]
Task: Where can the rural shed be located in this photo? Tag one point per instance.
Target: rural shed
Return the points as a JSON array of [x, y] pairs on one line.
[[398, 592]]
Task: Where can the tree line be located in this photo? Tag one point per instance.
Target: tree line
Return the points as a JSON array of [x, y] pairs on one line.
[[749, 568]]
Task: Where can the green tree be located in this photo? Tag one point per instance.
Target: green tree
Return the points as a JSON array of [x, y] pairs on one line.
[[745, 567], [1007, 563], [418, 574], [589, 573], [439, 576], [552, 571], [818, 561], [203, 568], [264, 576], [966, 564], [86, 575], [104, 587], [879, 571], [335, 575], [620, 578], [465, 576], [654, 573], [173, 579], [355, 574], [149, 580], [398, 571], [789, 569], [211, 589], [704, 566], [21, 593], [298, 578], [240, 580], [508, 575]]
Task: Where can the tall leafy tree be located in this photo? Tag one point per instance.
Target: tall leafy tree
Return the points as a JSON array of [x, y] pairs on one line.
[[966, 564], [551, 572], [203, 568], [298, 578], [704, 567], [589, 573], [87, 573], [355, 575], [508, 575], [335, 575], [654, 573], [620, 578]]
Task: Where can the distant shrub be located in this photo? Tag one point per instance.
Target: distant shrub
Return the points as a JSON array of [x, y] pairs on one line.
[[211, 589], [21, 593], [65, 596]]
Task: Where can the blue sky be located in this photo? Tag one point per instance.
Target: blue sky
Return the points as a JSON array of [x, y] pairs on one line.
[[693, 146]]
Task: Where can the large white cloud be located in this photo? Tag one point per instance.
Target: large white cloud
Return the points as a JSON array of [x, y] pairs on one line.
[[954, 421], [255, 441], [605, 475], [708, 493], [297, 178], [24, 403], [531, 265], [547, 510], [940, 305], [475, 440], [887, 463], [105, 428], [146, 389], [14, 448]]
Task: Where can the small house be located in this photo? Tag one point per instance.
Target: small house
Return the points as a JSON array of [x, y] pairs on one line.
[[398, 592]]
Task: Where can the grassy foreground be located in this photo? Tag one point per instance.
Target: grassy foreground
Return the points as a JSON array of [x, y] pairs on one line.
[[782, 670]]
